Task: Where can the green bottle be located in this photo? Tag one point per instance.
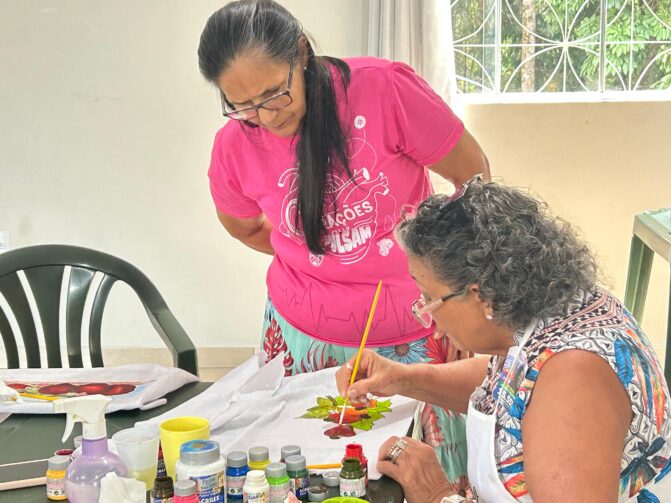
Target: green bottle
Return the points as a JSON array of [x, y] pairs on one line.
[[278, 480], [299, 480], [352, 480]]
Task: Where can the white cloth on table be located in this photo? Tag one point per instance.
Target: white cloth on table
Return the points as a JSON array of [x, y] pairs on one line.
[[137, 386], [255, 405]]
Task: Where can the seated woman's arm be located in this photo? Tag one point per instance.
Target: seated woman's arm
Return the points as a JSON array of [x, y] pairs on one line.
[[449, 385], [574, 430]]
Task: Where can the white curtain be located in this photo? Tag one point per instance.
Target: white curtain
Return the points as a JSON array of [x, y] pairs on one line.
[[419, 33]]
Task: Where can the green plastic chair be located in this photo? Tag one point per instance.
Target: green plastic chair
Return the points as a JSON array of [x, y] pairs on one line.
[[652, 234], [44, 267]]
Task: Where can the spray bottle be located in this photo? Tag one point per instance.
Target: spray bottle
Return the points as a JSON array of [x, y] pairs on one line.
[[82, 479]]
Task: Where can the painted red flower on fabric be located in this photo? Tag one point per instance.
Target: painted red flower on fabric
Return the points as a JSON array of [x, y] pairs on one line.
[[274, 344]]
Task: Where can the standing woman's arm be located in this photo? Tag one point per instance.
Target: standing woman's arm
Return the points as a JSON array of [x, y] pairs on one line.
[[465, 160], [253, 232]]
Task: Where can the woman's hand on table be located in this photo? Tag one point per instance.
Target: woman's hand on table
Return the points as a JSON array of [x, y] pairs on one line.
[[376, 374], [416, 468]]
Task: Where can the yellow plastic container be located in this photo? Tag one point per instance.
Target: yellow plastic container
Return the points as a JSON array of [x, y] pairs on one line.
[[174, 432]]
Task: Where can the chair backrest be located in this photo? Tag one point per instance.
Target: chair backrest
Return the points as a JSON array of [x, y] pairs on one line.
[[44, 268]]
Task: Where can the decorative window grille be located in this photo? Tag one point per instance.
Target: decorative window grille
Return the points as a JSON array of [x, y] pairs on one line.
[[561, 46]]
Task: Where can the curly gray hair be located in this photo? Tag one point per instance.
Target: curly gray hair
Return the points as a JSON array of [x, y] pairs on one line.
[[524, 261]]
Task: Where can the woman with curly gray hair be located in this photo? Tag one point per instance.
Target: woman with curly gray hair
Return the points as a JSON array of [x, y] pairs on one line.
[[569, 403]]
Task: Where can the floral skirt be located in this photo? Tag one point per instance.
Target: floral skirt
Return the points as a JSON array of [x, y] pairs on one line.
[[444, 430]]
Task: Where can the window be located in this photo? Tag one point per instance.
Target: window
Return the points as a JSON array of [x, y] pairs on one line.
[[561, 46]]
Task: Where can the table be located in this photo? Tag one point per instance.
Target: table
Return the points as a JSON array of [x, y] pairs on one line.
[[652, 234], [24, 437]]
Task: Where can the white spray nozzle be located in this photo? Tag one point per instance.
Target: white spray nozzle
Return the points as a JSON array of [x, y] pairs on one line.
[[88, 410]]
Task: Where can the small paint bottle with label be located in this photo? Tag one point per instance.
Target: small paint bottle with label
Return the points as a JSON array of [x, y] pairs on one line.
[[299, 479], [201, 461], [332, 481], [185, 492], [352, 479], [236, 471], [56, 477], [259, 457], [356, 451], [162, 491], [289, 450], [278, 480], [256, 489]]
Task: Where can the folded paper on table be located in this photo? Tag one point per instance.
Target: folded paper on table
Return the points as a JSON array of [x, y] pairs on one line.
[[257, 405], [137, 386]]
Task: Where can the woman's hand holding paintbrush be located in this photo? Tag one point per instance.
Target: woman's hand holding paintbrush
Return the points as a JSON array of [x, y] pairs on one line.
[[376, 375]]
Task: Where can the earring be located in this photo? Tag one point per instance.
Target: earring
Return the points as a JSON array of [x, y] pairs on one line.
[[305, 68], [489, 317]]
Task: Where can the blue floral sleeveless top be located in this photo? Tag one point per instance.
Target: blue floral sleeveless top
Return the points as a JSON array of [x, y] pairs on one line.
[[599, 323]]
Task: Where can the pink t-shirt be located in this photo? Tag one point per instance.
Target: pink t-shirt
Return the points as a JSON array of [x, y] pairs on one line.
[[396, 125]]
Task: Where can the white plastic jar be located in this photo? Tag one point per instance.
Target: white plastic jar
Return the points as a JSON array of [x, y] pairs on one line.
[[256, 489], [201, 461]]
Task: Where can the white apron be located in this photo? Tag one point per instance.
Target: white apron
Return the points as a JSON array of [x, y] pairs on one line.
[[482, 472]]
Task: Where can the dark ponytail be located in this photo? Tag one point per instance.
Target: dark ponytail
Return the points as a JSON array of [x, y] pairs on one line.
[[247, 26]]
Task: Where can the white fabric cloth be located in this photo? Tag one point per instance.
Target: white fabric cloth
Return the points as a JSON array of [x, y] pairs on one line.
[[141, 386], [256, 405], [419, 33], [115, 489], [480, 435]]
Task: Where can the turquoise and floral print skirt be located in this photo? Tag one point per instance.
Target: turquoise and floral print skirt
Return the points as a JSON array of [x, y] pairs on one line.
[[445, 431]]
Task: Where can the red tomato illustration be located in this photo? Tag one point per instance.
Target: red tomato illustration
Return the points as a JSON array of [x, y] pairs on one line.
[[340, 431], [94, 388], [120, 389]]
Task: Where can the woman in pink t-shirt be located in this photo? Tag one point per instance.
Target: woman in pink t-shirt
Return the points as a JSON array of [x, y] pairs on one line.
[[321, 159]]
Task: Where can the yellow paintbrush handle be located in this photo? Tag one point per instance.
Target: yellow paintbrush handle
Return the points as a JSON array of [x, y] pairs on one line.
[[365, 333]]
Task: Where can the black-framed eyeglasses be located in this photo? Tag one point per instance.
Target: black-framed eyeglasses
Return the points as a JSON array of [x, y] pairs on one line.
[[422, 311], [275, 102]]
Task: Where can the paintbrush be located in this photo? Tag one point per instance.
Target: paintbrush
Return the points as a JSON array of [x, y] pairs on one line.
[[361, 346]]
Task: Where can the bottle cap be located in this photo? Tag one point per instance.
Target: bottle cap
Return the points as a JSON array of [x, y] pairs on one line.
[[255, 476], [331, 479], [58, 463], [185, 487], [318, 493], [276, 470], [353, 451], [163, 483], [199, 452], [295, 463], [259, 454], [289, 450], [236, 459]]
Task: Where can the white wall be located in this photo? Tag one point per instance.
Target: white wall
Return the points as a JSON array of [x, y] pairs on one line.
[[105, 135], [106, 129]]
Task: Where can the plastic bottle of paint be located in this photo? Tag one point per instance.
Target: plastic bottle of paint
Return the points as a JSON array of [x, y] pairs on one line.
[[299, 479], [256, 487], [289, 450], [318, 493], [185, 492], [352, 479], [332, 481], [162, 491], [356, 451], [236, 470], [56, 477], [201, 461], [259, 458], [276, 473]]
